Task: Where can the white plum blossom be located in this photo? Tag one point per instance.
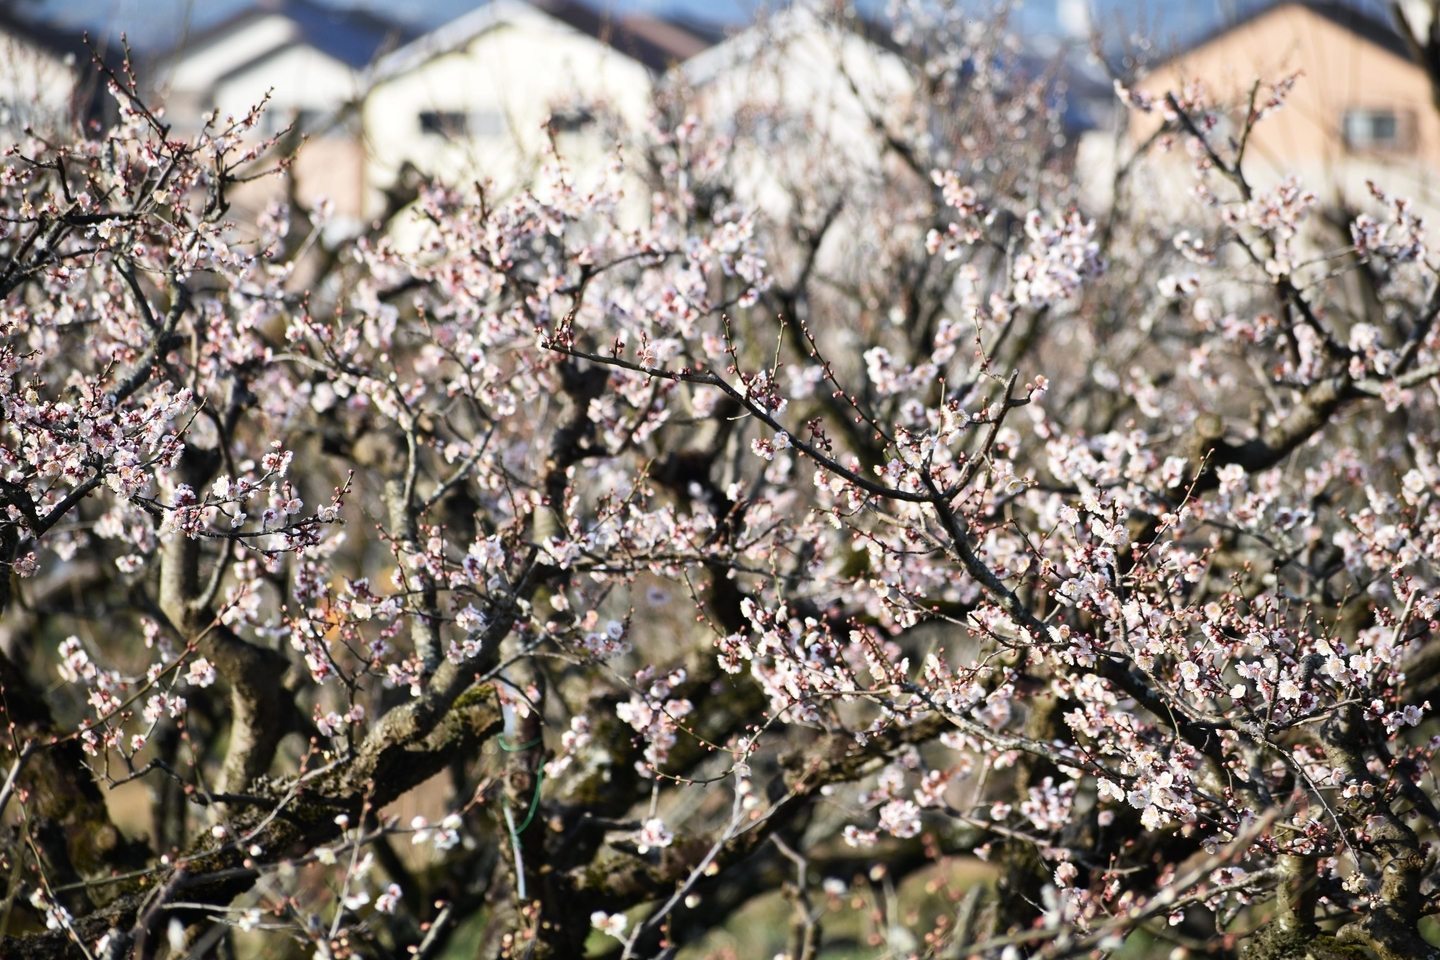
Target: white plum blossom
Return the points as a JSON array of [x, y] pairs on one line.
[[653, 835], [389, 900], [201, 673], [900, 818], [610, 924]]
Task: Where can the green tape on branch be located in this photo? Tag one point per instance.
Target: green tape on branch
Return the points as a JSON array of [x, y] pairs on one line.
[[534, 802]]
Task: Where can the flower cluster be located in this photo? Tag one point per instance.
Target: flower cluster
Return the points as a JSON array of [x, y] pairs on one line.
[[661, 524]]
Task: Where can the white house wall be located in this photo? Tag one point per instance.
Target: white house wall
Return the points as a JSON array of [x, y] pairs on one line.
[[200, 68], [301, 78], [795, 77], [36, 87], [505, 81]]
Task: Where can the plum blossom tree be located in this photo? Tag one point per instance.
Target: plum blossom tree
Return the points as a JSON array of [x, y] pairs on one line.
[[720, 550]]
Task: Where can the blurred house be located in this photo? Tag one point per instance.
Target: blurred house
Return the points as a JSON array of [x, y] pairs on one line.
[[312, 62], [46, 79], [1360, 107], [797, 76], [470, 99]]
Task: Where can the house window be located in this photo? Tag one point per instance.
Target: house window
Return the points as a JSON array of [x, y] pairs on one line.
[[445, 123], [571, 121], [1374, 130], [487, 123]]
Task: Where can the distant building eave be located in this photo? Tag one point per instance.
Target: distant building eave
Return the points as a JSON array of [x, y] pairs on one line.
[[353, 37], [651, 41]]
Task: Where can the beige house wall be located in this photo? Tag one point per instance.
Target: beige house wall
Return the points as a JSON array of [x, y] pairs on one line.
[[324, 168], [1339, 70]]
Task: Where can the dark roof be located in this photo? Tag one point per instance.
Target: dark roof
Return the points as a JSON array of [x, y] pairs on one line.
[[1358, 22], [657, 43], [709, 31], [354, 37]]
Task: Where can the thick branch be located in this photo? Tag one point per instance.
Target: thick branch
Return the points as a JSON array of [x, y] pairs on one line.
[[301, 817]]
